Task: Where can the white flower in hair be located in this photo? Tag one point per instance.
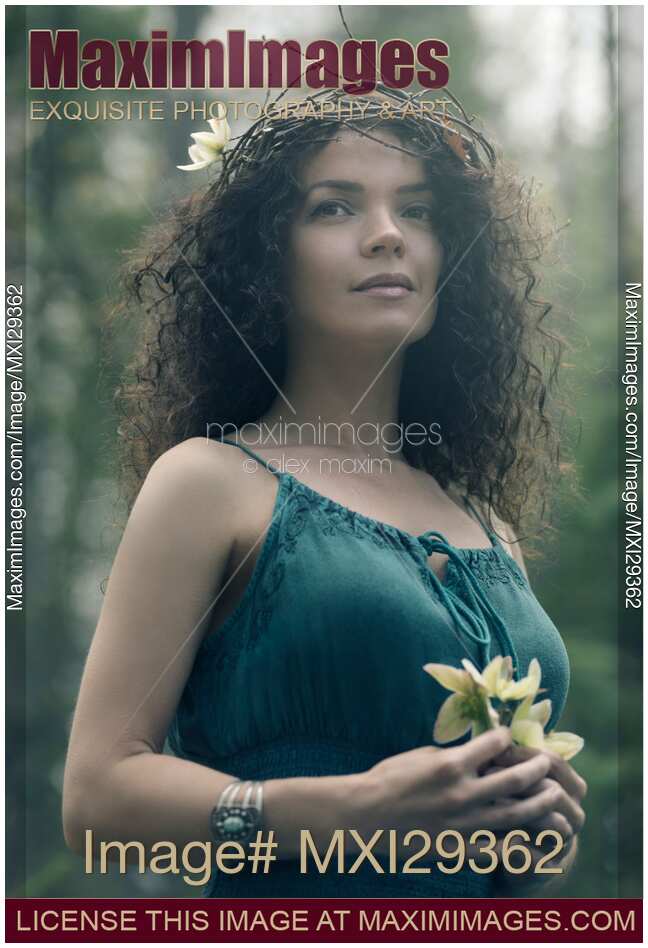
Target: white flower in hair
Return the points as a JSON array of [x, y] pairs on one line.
[[209, 145]]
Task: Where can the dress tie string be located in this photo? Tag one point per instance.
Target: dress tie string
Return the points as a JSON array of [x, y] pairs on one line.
[[475, 619]]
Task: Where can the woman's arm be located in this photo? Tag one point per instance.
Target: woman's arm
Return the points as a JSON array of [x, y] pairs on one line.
[[163, 584]]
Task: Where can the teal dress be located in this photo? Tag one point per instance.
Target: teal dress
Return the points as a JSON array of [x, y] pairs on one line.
[[318, 670]]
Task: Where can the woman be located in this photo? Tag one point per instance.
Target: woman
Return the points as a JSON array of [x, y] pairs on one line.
[[270, 609]]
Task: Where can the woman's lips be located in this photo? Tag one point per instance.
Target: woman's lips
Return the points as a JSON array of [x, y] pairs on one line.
[[386, 292]]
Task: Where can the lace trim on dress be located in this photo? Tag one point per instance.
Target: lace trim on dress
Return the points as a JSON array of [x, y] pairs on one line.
[[296, 506], [489, 571]]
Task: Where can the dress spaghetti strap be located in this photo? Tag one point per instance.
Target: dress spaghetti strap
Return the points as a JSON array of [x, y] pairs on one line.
[[252, 454], [492, 536]]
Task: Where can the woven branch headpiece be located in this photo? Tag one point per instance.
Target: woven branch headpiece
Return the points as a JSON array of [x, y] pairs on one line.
[[432, 124]]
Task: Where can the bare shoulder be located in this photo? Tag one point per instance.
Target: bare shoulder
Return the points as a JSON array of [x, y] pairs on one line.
[[193, 486], [195, 462]]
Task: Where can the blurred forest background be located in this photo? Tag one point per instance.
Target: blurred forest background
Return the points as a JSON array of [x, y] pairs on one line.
[[544, 82]]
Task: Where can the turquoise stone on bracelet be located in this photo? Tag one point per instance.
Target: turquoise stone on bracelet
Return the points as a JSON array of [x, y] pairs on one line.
[[233, 824]]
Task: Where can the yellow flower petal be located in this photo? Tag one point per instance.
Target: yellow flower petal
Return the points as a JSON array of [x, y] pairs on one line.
[[564, 743], [526, 687], [527, 733], [541, 712], [454, 679], [492, 675], [452, 721], [522, 711], [473, 672], [535, 672]]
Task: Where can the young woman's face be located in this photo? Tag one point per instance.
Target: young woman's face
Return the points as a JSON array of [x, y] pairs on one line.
[[364, 257]]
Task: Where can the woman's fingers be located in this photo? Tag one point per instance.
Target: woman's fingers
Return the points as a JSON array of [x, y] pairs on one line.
[[515, 754], [560, 770], [515, 787], [566, 816], [513, 814], [509, 781], [555, 822], [565, 774], [488, 745], [570, 809]]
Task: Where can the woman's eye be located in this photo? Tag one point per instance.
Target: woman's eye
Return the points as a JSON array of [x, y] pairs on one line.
[[330, 209], [419, 212]]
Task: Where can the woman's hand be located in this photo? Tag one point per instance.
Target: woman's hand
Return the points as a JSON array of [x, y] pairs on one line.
[[566, 818], [434, 789]]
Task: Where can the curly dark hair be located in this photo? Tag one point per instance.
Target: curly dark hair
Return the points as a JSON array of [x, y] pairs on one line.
[[484, 372]]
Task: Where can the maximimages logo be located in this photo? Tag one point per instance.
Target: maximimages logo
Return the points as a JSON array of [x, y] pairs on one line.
[[57, 60]]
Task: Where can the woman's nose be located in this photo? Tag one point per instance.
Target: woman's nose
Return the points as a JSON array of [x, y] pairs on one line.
[[382, 237]]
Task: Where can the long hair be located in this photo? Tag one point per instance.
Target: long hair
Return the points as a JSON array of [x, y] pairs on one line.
[[209, 276]]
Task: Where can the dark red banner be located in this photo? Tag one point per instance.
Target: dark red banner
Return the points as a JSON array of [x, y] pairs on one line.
[[325, 920]]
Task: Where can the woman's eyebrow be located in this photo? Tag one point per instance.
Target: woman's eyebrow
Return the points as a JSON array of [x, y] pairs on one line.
[[337, 184], [353, 186]]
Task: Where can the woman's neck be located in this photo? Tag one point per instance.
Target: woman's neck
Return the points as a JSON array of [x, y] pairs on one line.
[[341, 401]]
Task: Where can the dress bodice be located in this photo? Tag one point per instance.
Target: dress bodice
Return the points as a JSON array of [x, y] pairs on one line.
[[318, 670]]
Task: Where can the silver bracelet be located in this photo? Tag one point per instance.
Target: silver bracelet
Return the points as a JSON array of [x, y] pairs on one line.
[[238, 820]]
